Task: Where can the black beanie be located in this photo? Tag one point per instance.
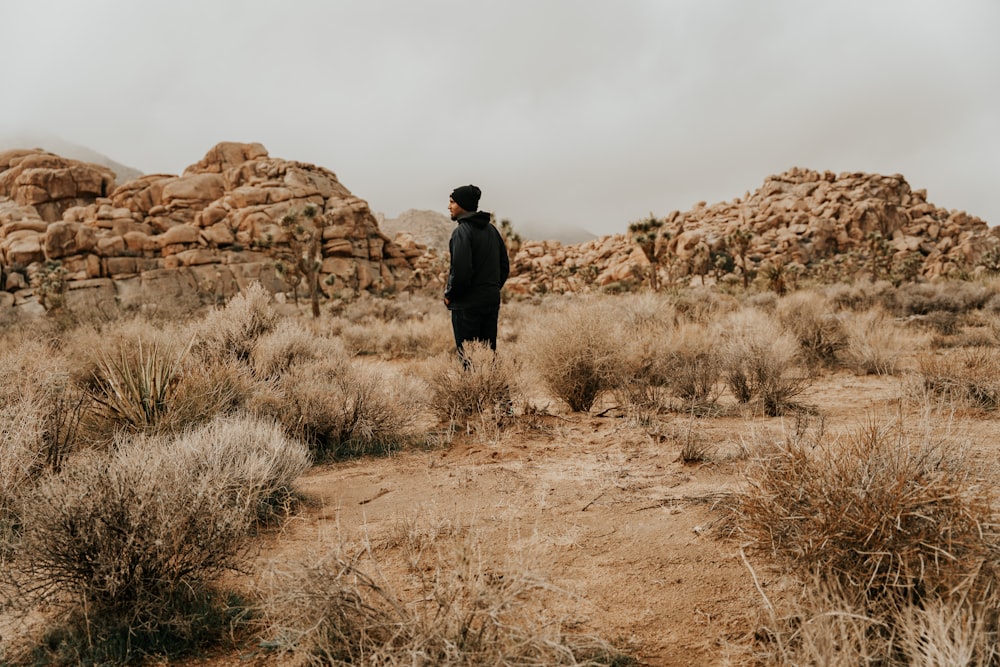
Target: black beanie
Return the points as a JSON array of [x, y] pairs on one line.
[[466, 196]]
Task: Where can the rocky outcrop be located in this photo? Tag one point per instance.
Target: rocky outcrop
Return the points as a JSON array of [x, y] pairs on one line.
[[820, 222], [207, 231]]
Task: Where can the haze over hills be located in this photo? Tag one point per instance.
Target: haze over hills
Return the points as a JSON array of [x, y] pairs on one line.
[[59, 146], [433, 229]]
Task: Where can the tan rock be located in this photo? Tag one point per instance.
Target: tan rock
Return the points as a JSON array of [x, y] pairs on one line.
[[227, 155], [139, 242], [24, 247], [184, 234], [192, 189], [121, 266], [219, 234]]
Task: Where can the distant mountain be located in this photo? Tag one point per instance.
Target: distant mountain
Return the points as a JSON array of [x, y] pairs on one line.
[[543, 232], [68, 149], [433, 229], [430, 228]]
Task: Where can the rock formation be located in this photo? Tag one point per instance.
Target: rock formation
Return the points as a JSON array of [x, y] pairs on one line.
[[201, 235], [816, 221]]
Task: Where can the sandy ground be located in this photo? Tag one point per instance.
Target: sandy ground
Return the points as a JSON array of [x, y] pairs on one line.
[[604, 506], [633, 540]]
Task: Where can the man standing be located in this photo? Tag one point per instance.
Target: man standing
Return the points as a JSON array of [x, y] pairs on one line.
[[479, 268]]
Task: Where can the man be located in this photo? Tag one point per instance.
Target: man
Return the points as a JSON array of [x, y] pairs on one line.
[[479, 268]]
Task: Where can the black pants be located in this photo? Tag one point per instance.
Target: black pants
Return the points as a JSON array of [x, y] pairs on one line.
[[478, 323]]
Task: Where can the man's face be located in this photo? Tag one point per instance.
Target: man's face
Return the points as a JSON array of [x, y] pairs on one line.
[[454, 209]]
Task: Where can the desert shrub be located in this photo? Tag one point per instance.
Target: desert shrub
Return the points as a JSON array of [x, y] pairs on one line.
[[147, 381], [828, 625], [573, 349], [130, 546], [480, 389], [694, 363], [457, 611], [231, 331], [20, 464], [758, 361], [966, 376], [250, 459], [37, 378], [860, 296], [893, 545], [887, 519], [808, 316], [291, 341], [876, 345], [339, 409], [411, 338], [949, 296], [703, 304], [683, 361]]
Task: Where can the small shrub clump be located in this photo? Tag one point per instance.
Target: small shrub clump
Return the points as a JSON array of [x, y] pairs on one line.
[[894, 545], [131, 547], [965, 376], [759, 362], [339, 409], [478, 387], [573, 350], [336, 611], [875, 513]]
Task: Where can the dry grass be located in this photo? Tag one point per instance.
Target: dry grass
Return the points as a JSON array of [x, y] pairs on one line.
[[809, 318], [894, 519], [892, 541], [573, 349], [479, 392], [230, 332], [340, 409], [128, 548], [251, 460], [964, 376], [413, 327], [877, 345], [458, 609], [759, 362], [291, 342]]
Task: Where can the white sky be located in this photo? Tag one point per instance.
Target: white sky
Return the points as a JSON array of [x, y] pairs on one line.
[[567, 113]]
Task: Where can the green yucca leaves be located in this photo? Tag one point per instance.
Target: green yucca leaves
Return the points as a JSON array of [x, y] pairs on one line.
[[136, 384]]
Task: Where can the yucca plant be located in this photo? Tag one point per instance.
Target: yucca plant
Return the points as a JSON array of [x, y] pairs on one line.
[[135, 384]]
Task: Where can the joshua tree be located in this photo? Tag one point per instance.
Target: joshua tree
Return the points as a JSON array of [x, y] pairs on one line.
[[304, 257], [644, 234], [739, 241], [511, 238]]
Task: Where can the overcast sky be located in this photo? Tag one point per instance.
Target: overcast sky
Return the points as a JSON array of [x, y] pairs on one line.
[[566, 113]]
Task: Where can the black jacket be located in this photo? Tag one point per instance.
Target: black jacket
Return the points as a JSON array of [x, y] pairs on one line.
[[479, 264]]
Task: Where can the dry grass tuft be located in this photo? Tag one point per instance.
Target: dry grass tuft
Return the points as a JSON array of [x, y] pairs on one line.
[[965, 376], [481, 391], [251, 460], [809, 317], [230, 332], [759, 362], [458, 610], [339, 409], [291, 342], [129, 548], [876, 513], [574, 350], [876, 345]]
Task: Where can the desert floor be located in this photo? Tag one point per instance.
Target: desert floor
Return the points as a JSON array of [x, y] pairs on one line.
[[633, 541]]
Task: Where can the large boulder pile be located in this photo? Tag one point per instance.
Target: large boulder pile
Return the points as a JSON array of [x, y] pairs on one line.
[[805, 218], [202, 235]]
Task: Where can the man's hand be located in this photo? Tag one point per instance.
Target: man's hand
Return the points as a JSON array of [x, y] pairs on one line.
[[446, 301]]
